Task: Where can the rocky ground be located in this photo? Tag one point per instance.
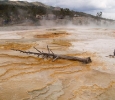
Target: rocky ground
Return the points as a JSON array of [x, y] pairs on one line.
[[28, 77]]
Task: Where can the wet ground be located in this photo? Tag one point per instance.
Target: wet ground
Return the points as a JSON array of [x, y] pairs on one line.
[[28, 77]]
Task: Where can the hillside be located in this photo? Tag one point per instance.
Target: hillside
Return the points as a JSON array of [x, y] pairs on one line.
[[22, 3], [19, 11], [16, 12]]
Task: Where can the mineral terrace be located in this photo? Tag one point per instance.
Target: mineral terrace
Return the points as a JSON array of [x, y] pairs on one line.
[[28, 77]]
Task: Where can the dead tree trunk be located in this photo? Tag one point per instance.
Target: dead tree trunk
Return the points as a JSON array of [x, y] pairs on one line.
[[50, 54]]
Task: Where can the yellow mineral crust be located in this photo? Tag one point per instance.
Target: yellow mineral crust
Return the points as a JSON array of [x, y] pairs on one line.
[[29, 77]]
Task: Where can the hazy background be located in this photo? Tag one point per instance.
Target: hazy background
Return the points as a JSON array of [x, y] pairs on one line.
[[87, 6]]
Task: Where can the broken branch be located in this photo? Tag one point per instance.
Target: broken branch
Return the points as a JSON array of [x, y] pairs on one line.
[[37, 50], [55, 56], [48, 49]]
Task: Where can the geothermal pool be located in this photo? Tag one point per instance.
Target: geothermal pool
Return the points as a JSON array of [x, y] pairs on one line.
[[28, 77]]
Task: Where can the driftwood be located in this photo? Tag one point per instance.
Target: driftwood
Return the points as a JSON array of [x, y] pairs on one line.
[[50, 54]]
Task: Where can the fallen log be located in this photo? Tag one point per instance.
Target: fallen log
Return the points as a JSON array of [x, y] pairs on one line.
[[50, 54]]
